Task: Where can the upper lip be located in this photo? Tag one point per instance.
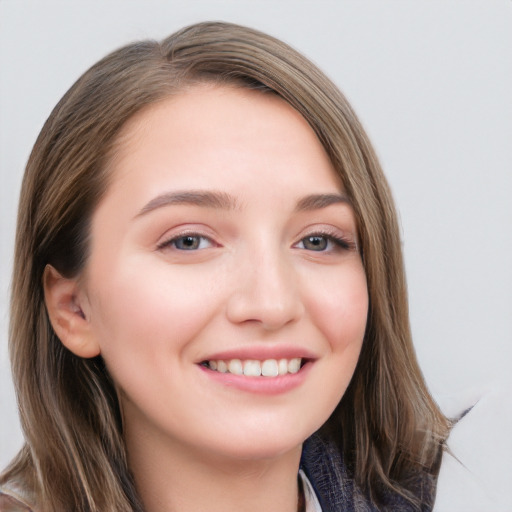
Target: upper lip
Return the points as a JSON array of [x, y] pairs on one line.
[[261, 353]]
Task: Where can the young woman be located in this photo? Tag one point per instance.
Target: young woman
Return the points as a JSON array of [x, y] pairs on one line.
[[209, 306]]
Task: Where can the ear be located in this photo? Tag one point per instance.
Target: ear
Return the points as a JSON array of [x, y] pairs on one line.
[[68, 320]]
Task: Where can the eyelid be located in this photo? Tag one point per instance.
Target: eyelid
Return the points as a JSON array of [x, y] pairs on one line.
[[344, 241], [167, 240]]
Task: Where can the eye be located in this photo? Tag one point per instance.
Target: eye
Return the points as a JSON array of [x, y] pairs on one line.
[[322, 243], [315, 243], [189, 242]]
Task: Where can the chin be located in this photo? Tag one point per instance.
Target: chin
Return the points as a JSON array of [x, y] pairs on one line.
[[262, 444], [263, 452]]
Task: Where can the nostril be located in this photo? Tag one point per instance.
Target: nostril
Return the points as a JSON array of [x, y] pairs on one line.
[[265, 294]]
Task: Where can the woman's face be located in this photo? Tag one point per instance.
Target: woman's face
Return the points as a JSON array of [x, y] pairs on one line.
[[225, 245]]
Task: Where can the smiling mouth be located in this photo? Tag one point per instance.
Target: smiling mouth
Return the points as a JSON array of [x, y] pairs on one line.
[[256, 368]]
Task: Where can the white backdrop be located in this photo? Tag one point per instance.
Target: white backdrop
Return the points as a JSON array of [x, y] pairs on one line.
[[431, 82]]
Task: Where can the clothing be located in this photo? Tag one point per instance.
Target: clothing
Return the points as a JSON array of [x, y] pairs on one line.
[[310, 498], [336, 491], [327, 486], [13, 499]]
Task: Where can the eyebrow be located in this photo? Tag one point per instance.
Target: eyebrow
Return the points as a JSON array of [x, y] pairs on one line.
[[319, 201], [219, 200], [224, 201]]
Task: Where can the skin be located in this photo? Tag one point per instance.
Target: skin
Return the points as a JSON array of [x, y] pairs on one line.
[[253, 280]]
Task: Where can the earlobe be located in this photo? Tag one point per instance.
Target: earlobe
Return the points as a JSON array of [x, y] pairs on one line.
[[66, 314]]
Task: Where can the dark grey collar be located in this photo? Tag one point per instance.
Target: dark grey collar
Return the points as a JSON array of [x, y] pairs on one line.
[[323, 464]]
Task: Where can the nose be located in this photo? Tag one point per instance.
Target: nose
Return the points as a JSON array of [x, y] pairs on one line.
[[265, 291]]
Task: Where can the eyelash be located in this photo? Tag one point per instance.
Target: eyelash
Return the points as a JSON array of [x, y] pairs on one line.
[[340, 242], [172, 241]]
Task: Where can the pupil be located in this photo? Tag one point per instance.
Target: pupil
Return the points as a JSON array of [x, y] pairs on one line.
[[316, 243], [189, 242]]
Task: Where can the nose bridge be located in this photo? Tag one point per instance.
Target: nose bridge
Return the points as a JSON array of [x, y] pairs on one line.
[[266, 289]]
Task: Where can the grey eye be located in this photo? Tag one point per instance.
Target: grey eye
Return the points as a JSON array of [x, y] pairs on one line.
[[190, 242], [187, 243], [315, 243]]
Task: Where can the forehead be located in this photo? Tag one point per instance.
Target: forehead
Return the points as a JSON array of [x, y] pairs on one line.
[[199, 106], [209, 131]]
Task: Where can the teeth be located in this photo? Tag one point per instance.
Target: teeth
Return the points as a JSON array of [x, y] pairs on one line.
[[252, 368], [255, 368], [269, 368], [293, 365], [235, 367], [282, 366]]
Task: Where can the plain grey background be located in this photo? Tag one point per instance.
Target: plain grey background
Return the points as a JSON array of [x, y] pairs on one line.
[[431, 83]]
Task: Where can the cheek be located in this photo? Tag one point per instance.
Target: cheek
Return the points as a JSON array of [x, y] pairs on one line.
[[141, 309], [339, 308]]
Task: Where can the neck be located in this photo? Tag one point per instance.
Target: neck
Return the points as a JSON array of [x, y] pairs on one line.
[[172, 478]]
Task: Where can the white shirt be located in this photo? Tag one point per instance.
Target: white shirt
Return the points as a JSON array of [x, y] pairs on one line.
[[312, 503]]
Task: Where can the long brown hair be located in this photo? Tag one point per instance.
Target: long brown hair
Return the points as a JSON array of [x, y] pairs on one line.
[[74, 456]]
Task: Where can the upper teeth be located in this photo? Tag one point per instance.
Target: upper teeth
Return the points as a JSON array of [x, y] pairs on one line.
[[255, 368]]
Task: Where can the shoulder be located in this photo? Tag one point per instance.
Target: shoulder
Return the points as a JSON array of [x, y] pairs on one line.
[[13, 498], [323, 464], [11, 503]]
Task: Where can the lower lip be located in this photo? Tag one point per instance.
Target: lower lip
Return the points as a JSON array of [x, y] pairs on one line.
[[260, 385]]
